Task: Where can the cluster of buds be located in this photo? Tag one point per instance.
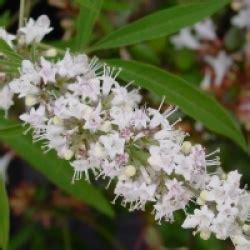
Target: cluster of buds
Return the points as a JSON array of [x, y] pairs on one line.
[[77, 107]]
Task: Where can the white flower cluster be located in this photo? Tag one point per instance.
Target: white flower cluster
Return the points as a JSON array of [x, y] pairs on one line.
[[78, 108], [193, 38], [224, 211], [196, 37], [242, 19], [33, 32]]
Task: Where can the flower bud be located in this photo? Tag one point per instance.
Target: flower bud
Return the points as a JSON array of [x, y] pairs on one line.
[[68, 154], [130, 171], [30, 100], [205, 235], [246, 229], [57, 121], [51, 52], [151, 161], [206, 195], [203, 195], [186, 147], [200, 201], [236, 5], [106, 127]]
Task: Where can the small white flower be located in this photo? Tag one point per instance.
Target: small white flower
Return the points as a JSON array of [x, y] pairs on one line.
[[120, 117], [47, 71], [8, 38], [68, 106], [185, 39], [108, 79], [36, 117], [162, 156], [86, 88], [27, 83], [221, 65], [242, 19], [205, 30], [201, 219], [125, 98], [6, 98], [72, 66], [113, 144], [110, 169], [140, 119], [93, 122], [34, 31], [81, 166], [157, 119], [97, 150]]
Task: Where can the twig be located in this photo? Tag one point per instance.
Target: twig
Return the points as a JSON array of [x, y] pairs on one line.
[[21, 13]]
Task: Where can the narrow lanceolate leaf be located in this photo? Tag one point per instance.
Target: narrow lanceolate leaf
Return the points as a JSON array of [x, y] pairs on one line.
[[57, 171], [4, 216], [160, 24], [12, 130], [10, 61], [9, 52], [177, 91], [89, 11]]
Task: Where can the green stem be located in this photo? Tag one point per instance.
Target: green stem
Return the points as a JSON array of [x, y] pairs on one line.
[[33, 52], [28, 7], [21, 13], [66, 236]]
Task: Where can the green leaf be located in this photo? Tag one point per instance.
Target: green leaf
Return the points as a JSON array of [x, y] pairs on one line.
[[89, 11], [11, 61], [234, 39], [57, 171], [2, 2], [115, 5], [4, 216], [145, 53], [12, 130], [21, 237], [9, 52], [160, 24], [190, 99], [87, 3], [4, 18]]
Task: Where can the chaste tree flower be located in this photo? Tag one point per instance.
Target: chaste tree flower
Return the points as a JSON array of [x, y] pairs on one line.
[[77, 107]]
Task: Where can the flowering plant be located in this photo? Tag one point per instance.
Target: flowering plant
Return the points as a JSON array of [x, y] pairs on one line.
[[77, 107]]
